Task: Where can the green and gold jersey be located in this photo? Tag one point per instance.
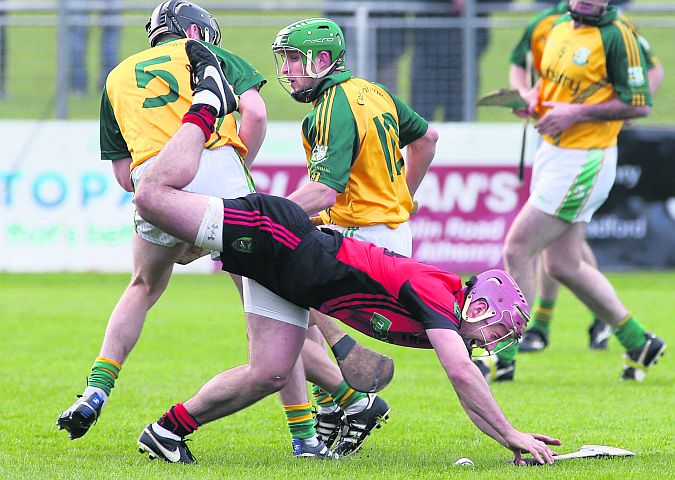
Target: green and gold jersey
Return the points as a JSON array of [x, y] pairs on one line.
[[591, 65], [535, 35], [353, 138], [146, 96]]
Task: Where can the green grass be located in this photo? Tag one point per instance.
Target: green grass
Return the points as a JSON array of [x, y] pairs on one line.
[[52, 329], [31, 70]]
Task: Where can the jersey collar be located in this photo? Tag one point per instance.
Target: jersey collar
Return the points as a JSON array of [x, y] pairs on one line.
[[332, 80]]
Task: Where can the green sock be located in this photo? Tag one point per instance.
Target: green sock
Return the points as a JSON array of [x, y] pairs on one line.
[[322, 398], [103, 374], [543, 314], [631, 334], [300, 420], [507, 355], [345, 395]]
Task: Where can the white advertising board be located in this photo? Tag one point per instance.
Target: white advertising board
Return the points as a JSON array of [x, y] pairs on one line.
[[62, 210]]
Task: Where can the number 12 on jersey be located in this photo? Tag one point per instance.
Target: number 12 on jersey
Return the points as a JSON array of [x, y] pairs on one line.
[[387, 130]]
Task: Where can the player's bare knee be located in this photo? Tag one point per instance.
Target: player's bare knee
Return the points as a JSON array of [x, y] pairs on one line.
[[146, 199], [270, 380]]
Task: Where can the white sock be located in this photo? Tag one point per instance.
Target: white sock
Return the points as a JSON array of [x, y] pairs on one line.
[[208, 98], [311, 442], [101, 393], [163, 432], [357, 406], [331, 409]]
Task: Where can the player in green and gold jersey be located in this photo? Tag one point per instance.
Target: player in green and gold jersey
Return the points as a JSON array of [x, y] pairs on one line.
[[143, 106], [525, 63], [593, 77], [360, 183]]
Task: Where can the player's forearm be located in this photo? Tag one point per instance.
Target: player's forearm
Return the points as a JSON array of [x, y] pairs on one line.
[[253, 125], [518, 79], [610, 110], [483, 426], [419, 155], [480, 405], [314, 197]]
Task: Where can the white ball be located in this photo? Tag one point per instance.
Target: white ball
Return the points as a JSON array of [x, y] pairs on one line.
[[464, 462]]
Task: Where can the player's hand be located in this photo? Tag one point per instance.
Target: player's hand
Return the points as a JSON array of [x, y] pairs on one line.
[[530, 97], [191, 254], [536, 444], [559, 118]]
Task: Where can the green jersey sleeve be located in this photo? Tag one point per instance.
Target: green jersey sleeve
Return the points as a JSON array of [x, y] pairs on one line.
[[519, 52], [410, 123], [113, 145], [626, 65], [239, 73], [332, 135]]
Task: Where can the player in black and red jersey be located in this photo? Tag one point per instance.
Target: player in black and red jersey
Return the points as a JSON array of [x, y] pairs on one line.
[[271, 240]]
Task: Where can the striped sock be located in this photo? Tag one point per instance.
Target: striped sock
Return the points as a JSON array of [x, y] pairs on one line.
[[178, 421], [323, 400], [345, 395], [631, 334], [543, 314], [300, 420], [103, 374]]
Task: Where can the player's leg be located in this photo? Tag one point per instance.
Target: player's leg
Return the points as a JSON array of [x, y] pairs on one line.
[[563, 261], [274, 348], [530, 233], [298, 409], [319, 369], [599, 331], [536, 336], [152, 267]]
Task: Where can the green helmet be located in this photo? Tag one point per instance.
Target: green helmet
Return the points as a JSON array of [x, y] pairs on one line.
[[308, 38]]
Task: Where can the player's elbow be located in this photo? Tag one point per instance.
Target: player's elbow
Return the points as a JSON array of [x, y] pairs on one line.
[[252, 108], [425, 144], [428, 140]]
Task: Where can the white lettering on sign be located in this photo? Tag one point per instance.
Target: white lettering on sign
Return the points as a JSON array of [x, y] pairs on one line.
[[457, 252], [467, 192]]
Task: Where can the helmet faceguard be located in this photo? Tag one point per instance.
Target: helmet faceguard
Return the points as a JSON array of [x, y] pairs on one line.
[[176, 16], [581, 12], [506, 307], [306, 39]]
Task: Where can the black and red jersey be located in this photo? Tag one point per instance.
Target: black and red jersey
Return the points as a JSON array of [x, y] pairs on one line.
[[378, 292]]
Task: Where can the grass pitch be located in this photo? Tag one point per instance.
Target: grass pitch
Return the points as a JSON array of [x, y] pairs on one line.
[[53, 325]]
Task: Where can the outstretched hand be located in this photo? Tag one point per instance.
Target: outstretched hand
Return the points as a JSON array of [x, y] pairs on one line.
[[534, 443]]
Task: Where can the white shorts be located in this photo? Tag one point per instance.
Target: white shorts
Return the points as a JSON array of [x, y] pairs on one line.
[[571, 184], [397, 240], [222, 174]]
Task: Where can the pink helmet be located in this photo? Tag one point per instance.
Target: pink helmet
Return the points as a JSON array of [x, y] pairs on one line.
[[506, 305]]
